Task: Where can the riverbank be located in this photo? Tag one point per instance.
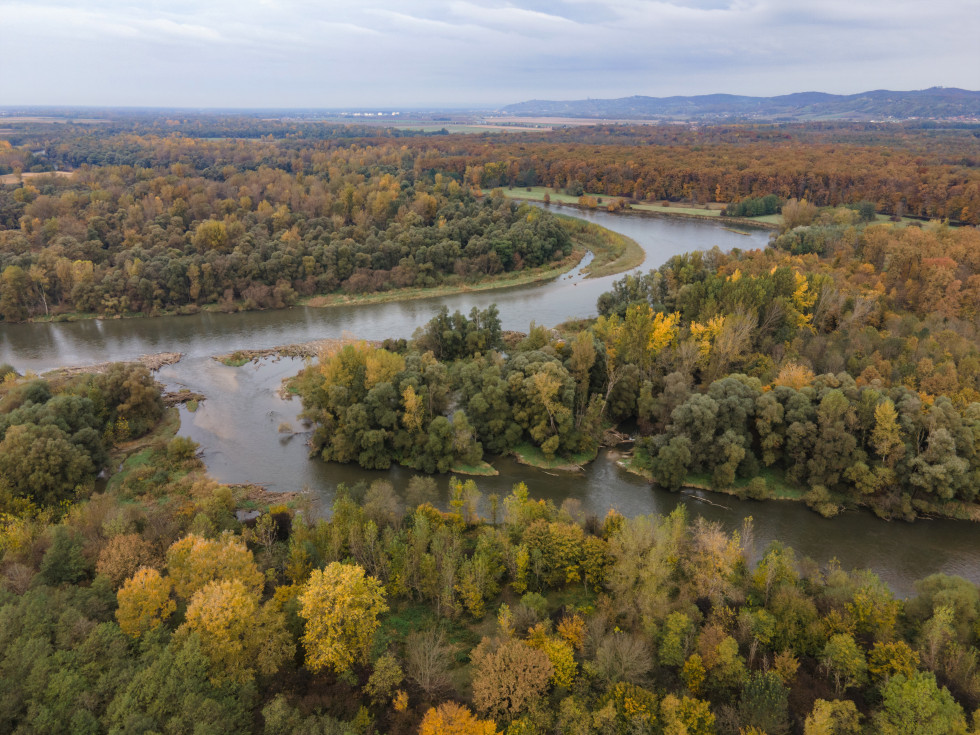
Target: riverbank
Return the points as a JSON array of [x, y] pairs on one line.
[[614, 252], [313, 348], [774, 488], [509, 280]]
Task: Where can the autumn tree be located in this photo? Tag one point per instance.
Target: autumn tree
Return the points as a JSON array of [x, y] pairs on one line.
[[144, 602], [508, 677], [450, 718], [194, 561], [239, 635], [341, 605]]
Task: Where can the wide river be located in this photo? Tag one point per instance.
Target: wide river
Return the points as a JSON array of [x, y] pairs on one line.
[[238, 426]]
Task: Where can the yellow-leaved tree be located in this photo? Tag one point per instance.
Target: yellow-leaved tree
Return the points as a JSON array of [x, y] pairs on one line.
[[144, 602], [450, 718], [237, 634], [341, 605], [194, 561]]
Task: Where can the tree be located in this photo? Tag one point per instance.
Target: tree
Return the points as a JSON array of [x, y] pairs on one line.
[[686, 716], [386, 676], [174, 693], [63, 562], [428, 658], [193, 561], [917, 706], [765, 703], [238, 635], [885, 438], [42, 464], [508, 677], [845, 662], [341, 606], [450, 718], [122, 556], [833, 718], [144, 602]]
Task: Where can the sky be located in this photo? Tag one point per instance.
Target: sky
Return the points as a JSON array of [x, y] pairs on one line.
[[395, 54]]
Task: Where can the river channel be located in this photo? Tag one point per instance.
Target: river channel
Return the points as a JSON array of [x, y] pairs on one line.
[[242, 426]]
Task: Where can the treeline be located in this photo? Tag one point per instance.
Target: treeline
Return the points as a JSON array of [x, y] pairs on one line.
[[929, 174], [848, 379], [114, 240], [755, 207], [825, 433]]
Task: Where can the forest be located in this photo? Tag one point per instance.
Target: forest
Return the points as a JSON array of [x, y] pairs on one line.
[[809, 372], [839, 367], [175, 215], [146, 606], [118, 240]]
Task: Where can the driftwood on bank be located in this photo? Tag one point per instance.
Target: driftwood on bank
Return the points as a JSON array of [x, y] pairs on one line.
[[181, 397], [151, 362], [298, 349]]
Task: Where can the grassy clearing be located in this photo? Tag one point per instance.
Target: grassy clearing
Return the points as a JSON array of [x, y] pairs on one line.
[[614, 253], [137, 454], [671, 208], [533, 457]]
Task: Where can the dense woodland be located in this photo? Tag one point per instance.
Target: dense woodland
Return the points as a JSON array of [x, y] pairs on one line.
[[839, 366], [167, 215], [847, 374], [124, 239], [147, 607]]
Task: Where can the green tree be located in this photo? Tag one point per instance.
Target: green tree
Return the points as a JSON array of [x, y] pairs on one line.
[[42, 464], [845, 662], [917, 706]]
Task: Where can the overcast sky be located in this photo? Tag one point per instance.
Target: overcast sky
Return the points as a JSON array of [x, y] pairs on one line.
[[464, 53]]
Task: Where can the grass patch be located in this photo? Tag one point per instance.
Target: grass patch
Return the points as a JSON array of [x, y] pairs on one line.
[[235, 359], [711, 210], [483, 469], [191, 405], [533, 457], [630, 465], [776, 485], [672, 208]]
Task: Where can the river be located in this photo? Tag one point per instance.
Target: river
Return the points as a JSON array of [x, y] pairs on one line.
[[238, 426]]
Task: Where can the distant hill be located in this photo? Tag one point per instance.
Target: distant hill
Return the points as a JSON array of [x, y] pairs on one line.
[[937, 102]]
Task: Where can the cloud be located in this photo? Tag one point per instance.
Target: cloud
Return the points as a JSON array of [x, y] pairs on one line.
[[308, 53]]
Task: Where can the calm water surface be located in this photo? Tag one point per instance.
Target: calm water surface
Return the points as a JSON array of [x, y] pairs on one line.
[[238, 427]]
